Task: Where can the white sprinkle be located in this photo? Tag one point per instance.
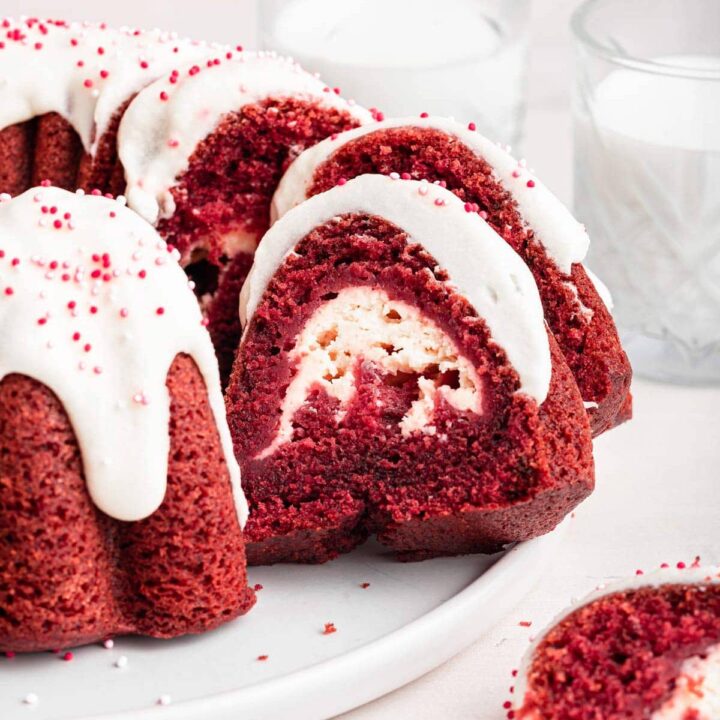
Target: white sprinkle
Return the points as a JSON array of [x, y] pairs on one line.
[[164, 700], [31, 699], [121, 662], [109, 643]]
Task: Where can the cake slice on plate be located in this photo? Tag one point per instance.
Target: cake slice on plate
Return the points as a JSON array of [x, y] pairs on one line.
[[396, 377]]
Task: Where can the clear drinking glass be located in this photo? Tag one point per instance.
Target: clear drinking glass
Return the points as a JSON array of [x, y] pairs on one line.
[[647, 175], [464, 58]]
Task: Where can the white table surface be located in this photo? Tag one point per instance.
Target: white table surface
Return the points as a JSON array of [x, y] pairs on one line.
[[658, 485]]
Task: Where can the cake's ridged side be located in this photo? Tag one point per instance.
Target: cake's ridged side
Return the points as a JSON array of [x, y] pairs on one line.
[[16, 157], [47, 149], [69, 574], [103, 170], [57, 152]]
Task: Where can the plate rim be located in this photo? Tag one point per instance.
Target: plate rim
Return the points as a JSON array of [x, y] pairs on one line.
[[384, 664]]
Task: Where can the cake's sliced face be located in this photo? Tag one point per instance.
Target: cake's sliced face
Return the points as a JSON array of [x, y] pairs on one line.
[[63, 89], [515, 204], [371, 371], [203, 151], [649, 648], [204, 148]]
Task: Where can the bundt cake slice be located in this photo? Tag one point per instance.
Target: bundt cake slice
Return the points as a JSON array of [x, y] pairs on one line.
[[517, 206], [395, 376], [63, 89], [203, 150], [120, 502], [646, 648]]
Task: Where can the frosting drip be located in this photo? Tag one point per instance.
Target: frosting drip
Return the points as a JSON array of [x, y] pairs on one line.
[[83, 71], [167, 120], [481, 265], [95, 307]]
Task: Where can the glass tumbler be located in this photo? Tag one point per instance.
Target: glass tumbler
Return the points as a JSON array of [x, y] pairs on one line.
[[647, 175], [461, 58]]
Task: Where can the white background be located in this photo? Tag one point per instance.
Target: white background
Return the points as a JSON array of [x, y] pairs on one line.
[[658, 494]]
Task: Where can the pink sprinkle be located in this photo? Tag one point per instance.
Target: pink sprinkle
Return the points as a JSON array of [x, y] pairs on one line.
[[124, 312], [424, 115], [516, 173], [472, 126], [342, 181], [681, 565], [531, 183], [160, 311], [439, 202], [88, 83], [163, 95], [9, 654], [68, 656]]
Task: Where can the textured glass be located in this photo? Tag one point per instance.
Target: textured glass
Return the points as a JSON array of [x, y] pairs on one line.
[[647, 175]]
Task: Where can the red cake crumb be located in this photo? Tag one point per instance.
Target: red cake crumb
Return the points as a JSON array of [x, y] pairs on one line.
[[592, 349], [322, 493], [263, 658], [329, 628]]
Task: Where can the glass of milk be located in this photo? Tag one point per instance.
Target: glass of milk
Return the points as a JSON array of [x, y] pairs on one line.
[[464, 58], [647, 175]]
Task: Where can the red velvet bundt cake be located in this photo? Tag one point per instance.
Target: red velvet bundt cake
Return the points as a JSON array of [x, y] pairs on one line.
[[120, 501], [646, 649], [63, 89], [396, 377], [517, 206], [203, 150]]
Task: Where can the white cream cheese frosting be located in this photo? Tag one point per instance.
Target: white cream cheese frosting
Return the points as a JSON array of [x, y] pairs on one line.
[[83, 71], [562, 236], [167, 120], [481, 265], [665, 576], [365, 323], [95, 307]]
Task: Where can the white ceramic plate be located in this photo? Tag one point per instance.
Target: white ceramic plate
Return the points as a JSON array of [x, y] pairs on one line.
[[410, 619]]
